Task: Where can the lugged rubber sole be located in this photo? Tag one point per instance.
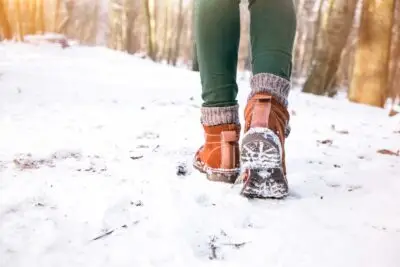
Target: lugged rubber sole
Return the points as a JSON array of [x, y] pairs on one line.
[[261, 161]]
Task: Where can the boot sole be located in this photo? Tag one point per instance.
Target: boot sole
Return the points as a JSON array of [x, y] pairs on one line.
[[261, 161], [218, 175]]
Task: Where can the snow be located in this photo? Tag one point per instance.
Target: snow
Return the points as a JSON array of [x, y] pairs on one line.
[[71, 195]]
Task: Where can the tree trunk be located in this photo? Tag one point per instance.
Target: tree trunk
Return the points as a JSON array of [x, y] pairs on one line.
[[18, 19], [4, 23], [317, 27], [370, 75], [311, 25], [57, 15], [173, 24], [150, 34], [334, 31], [41, 28], [394, 72], [195, 62], [178, 34], [131, 16], [167, 31], [115, 40], [247, 61], [64, 25], [299, 39], [31, 18], [89, 30], [157, 27]]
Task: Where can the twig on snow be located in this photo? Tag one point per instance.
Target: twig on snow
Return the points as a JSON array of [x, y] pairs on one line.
[[236, 245], [113, 230]]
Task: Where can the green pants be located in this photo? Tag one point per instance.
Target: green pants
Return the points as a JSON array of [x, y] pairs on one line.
[[217, 31]]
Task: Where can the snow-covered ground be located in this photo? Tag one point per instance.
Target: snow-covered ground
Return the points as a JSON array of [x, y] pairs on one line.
[[90, 143]]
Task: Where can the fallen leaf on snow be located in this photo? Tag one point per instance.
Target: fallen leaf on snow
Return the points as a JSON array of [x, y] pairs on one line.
[[26, 162], [388, 152], [393, 113], [325, 142], [136, 157]]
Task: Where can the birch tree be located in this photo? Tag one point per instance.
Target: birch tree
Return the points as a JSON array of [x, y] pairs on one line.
[[335, 28]]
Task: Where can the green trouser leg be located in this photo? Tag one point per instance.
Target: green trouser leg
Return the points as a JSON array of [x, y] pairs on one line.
[[217, 30], [272, 31]]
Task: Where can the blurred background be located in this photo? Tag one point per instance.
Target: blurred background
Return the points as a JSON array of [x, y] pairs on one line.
[[348, 47]]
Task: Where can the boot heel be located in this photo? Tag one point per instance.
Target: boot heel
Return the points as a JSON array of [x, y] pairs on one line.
[[261, 161]]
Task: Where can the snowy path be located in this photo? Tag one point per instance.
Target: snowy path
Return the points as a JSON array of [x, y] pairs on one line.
[[71, 195]]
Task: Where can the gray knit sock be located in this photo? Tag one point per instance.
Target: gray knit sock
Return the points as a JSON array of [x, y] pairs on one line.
[[277, 86], [211, 116]]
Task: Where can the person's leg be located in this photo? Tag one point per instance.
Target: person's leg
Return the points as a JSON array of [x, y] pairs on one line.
[[217, 31], [272, 30]]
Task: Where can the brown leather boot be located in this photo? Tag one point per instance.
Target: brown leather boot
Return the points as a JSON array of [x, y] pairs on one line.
[[219, 157], [263, 147]]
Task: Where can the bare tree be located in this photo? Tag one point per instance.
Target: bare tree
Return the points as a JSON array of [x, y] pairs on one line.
[[132, 13], [370, 75], [303, 35], [195, 62], [332, 38], [32, 17], [150, 30], [167, 29], [116, 21], [178, 33], [67, 21], [317, 36], [5, 26], [56, 15], [41, 28], [394, 70]]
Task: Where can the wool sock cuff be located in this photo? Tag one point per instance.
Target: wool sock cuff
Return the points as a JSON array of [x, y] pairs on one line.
[[272, 84], [212, 116]]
